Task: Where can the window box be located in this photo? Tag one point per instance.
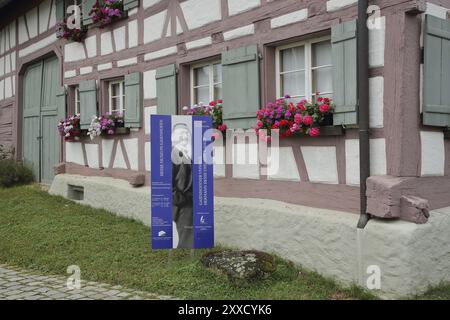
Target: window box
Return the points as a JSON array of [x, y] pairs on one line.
[[107, 12]]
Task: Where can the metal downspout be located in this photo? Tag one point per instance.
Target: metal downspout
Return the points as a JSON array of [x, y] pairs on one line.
[[363, 105]]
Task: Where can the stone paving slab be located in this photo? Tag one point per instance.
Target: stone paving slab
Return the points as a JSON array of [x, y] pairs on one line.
[[19, 284]]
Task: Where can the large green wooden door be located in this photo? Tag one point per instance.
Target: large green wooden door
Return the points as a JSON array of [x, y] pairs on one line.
[[41, 143]]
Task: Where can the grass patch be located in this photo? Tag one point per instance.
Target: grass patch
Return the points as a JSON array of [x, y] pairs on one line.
[[48, 234]]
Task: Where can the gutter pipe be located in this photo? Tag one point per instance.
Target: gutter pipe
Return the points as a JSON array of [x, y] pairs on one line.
[[363, 108]]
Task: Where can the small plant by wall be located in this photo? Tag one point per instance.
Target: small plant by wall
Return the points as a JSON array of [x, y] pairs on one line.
[[14, 173]]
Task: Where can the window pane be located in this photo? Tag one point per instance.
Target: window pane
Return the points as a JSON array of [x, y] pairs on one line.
[[115, 89], [201, 76], [217, 92], [323, 80], [293, 59], [201, 95], [321, 54], [293, 84], [115, 104], [217, 73]]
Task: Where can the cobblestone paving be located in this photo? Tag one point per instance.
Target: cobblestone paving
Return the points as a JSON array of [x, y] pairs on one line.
[[18, 284]]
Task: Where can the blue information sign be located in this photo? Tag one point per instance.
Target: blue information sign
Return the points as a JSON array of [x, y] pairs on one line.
[[182, 191]]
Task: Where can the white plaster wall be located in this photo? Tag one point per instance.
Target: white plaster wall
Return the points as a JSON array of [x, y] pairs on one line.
[[201, 12], [92, 155], [150, 84], [148, 3], [148, 156], [7, 63], [352, 171], [107, 147], [153, 26], [377, 40], [119, 160], [106, 43], [148, 112], [70, 74], [287, 169], [2, 66], [132, 150], [2, 89], [32, 22], [119, 38], [8, 88], [133, 34], [239, 6], [246, 164], [127, 62], [239, 32], [38, 45], [12, 35], [334, 5], [378, 157], [91, 46], [104, 66], [433, 153], [13, 61], [160, 53], [289, 18], [85, 70], [23, 34], [219, 161], [321, 164], [199, 43], [376, 102], [44, 13], [74, 153], [74, 51]]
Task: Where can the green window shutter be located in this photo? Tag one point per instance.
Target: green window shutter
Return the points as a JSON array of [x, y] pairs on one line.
[[88, 102], [241, 95], [86, 7], [60, 10], [130, 4], [133, 100], [61, 100], [345, 72], [436, 72], [166, 90]]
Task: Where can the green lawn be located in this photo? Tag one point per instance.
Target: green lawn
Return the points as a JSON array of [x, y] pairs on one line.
[[47, 234]]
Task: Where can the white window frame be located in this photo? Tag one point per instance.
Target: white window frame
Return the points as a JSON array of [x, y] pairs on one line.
[[121, 95], [211, 84], [77, 103], [309, 95]]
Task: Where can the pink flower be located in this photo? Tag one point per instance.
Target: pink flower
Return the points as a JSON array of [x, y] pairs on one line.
[[259, 124], [307, 120], [298, 118], [324, 108], [314, 132]]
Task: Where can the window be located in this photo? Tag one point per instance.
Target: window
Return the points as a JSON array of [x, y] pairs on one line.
[[305, 68], [76, 103], [206, 82], [117, 96]]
